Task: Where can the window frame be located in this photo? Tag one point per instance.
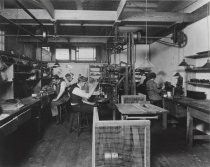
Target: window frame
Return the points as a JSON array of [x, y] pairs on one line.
[[84, 61]]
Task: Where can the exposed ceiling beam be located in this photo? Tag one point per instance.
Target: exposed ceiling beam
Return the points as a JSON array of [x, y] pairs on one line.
[[196, 5], [182, 6], [120, 9], [160, 17], [68, 15], [141, 5], [161, 0], [49, 7], [94, 25], [84, 15], [45, 4], [68, 40], [36, 3], [87, 24], [139, 10], [148, 25]]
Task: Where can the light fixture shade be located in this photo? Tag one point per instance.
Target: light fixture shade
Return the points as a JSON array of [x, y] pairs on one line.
[[183, 63], [207, 65], [177, 74], [146, 64], [56, 64]]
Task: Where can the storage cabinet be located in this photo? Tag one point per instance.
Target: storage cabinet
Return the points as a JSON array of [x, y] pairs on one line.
[[175, 109]]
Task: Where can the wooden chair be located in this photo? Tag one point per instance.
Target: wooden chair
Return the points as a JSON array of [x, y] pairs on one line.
[[133, 98], [63, 112], [82, 121]]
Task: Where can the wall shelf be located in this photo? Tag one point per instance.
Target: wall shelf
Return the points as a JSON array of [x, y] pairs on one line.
[[197, 69], [199, 84], [199, 55], [15, 56]]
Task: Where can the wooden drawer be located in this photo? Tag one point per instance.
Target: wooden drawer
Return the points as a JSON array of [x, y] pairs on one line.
[[175, 109], [23, 117], [180, 111], [9, 127]]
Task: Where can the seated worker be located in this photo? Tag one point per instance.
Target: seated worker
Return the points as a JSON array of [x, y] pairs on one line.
[[179, 85], [69, 77], [153, 91], [77, 95], [59, 86]]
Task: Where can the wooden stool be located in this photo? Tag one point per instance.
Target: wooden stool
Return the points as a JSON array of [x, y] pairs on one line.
[[82, 122], [62, 110]]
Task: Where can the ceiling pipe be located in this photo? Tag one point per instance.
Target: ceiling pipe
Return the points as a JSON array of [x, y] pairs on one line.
[[20, 27], [30, 14], [82, 36]]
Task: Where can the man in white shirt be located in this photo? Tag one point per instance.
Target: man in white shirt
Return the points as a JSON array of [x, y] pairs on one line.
[[61, 96], [69, 77], [77, 95]]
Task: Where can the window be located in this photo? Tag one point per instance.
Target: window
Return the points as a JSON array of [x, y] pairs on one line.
[[46, 48], [62, 54], [84, 54], [2, 40], [77, 54]]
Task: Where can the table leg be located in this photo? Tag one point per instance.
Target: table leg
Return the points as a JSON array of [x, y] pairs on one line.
[[114, 114], [164, 120], [189, 135]]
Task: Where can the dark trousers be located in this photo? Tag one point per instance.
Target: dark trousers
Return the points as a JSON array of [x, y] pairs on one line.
[[158, 103], [83, 107]]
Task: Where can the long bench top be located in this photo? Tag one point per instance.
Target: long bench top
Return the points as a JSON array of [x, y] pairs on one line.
[[28, 103], [201, 105]]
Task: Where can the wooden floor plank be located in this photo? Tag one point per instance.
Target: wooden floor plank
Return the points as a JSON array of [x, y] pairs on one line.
[[59, 148]]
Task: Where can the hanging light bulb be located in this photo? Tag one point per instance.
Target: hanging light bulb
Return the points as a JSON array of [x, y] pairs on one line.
[[146, 64], [183, 63]]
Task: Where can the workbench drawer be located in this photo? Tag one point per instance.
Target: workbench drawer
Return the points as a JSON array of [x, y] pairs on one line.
[[23, 117], [175, 109], [9, 127]]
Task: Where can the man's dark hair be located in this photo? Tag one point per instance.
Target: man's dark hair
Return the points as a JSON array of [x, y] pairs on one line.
[[69, 75], [55, 77], [152, 75]]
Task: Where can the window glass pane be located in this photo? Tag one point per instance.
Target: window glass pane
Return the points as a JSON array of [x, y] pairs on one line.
[[46, 48], [2, 42], [62, 54], [73, 54], [86, 54]]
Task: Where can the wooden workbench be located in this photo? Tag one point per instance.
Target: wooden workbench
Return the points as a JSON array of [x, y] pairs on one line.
[[199, 109], [139, 111], [15, 118]]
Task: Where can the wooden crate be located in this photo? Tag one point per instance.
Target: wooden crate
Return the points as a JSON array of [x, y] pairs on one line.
[[120, 143], [133, 98]]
